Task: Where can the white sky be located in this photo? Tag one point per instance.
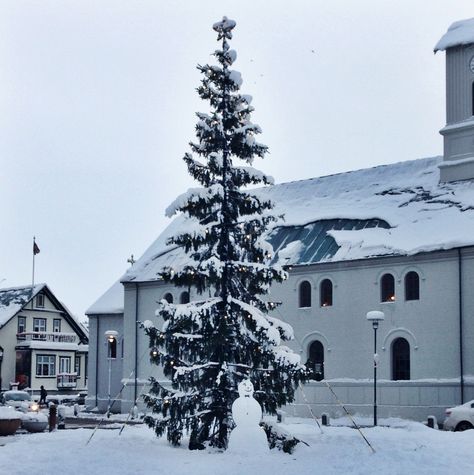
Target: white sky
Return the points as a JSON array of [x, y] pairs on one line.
[[97, 103]]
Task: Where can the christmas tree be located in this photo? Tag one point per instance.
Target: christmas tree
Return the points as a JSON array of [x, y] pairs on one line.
[[206, 347]]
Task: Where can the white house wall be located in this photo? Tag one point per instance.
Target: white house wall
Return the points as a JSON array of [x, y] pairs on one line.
[[8, 343]]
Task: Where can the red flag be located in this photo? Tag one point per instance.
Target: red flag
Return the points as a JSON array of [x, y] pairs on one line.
[[36, 249]]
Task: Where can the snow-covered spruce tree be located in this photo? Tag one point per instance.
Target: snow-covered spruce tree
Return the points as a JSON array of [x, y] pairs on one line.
[[208, 346]]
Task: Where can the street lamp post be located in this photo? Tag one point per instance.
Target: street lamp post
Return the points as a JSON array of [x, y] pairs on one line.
[[1, 360], [375, 317], [111, 337]]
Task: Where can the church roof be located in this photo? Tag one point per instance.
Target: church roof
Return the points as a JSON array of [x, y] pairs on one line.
[[397, 209], [459, 33]]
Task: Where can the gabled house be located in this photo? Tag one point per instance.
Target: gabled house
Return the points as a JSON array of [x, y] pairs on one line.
[[43, 343]]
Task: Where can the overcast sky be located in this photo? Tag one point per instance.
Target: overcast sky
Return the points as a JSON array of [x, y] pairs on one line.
[[97, 103]]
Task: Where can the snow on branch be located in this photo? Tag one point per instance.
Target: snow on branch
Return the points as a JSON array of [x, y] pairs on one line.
[[194, 195]]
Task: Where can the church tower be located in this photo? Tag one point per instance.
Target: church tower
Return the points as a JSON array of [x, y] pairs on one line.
[[458, 42]]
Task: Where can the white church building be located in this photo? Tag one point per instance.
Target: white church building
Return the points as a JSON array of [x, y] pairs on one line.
[[395, 238]]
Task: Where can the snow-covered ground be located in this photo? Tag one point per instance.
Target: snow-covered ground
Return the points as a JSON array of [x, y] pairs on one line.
[[403, 448]]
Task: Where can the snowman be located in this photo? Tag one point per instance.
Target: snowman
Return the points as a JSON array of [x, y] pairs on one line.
[[248, 436]]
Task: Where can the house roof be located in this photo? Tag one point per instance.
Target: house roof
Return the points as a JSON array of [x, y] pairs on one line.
[[14, 299], [459, 33], [397, 209]]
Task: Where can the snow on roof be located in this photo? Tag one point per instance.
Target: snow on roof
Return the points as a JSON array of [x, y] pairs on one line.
[[110, 302], [459, 33], [397, 209], [13, 299]]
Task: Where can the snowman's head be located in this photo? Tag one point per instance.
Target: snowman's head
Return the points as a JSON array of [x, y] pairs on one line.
[[245, 388]]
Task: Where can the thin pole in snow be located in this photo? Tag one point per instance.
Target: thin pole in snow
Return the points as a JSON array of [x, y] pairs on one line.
[[349, 416]]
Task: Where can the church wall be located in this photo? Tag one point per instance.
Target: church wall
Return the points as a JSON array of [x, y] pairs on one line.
[[468, 322], [146, 301], [430, 325], [98, 362]]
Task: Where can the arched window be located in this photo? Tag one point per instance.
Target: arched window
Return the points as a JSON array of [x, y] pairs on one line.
[[112, 348], [400, 359], [412, 286], [325, 293], [305, 294], [168, 297], [184, 297], [315, 361], [387, 288]]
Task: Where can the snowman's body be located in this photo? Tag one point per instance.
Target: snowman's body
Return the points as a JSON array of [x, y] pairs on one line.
[[248, 436]]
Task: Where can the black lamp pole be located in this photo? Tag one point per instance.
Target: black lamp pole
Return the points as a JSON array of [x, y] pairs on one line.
[[375, 317], [375, 324], [1, 360]]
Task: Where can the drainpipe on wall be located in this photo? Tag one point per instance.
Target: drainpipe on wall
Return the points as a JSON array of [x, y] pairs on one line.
[[97, 364], [136, 342], [461, 364]]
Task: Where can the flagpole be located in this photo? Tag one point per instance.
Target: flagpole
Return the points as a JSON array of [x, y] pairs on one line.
[[33, 274]]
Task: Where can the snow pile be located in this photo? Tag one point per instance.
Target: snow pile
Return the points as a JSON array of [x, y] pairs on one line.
[[459, 33], [405, 448], [8, 413]]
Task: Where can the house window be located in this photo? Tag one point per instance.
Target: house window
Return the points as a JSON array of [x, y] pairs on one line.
[[325, 293], [45, 365], [412, 286], [64, 364], [77, 365], [39, 327], [40, 300], [184, 297], [315, 363], [168, 297], [305, 294], [387, 293], [21, 328], [57, 325], [112, 348], [400, 359]]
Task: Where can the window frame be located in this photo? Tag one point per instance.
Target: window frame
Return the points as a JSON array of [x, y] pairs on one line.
[[316, 358], [112, 349], [399, 359], [55, 321], [37, 328], [77, 365], [40, 301], [66, 359], [184, 297], [412, 289], [304, 294], [21, 318], [45, 364], [387, 295], [326, 295]]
